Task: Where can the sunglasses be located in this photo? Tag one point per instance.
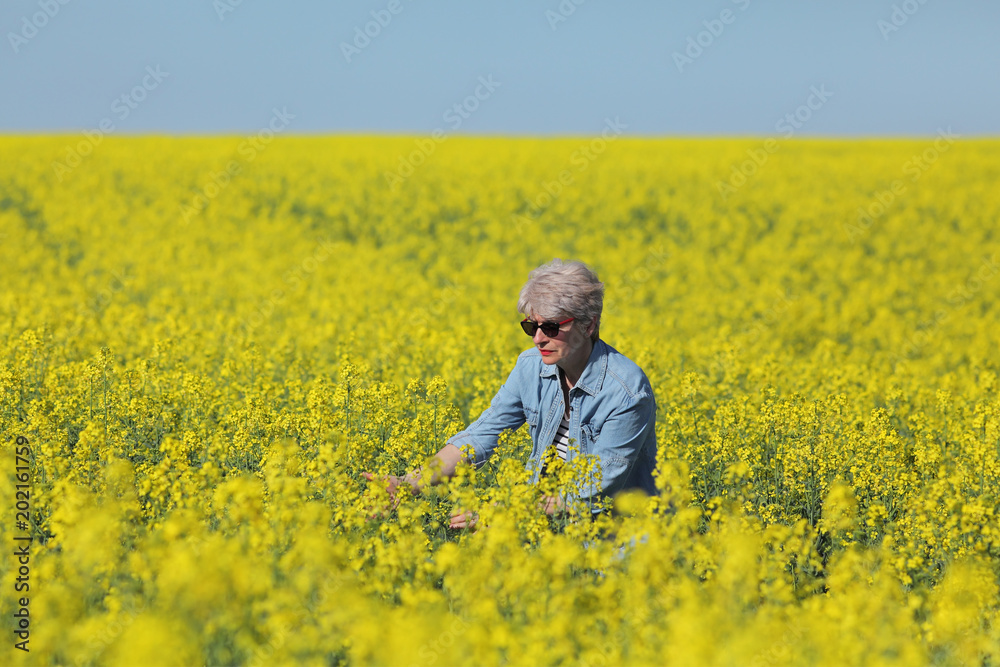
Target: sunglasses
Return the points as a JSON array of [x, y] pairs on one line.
[[550, 329]]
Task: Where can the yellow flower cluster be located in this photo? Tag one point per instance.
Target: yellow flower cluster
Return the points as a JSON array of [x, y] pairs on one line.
[[205, 366]]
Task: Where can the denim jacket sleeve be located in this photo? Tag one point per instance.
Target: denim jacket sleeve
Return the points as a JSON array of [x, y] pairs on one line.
[[506, 411], [624, 437]]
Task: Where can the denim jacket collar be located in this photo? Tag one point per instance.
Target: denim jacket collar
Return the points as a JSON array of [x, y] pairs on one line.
[[592, 378]]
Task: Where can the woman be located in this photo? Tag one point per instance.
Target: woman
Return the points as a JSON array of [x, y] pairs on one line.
[[569, 387]]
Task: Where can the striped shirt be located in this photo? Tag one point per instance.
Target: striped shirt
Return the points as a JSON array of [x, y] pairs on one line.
[[561, 441]]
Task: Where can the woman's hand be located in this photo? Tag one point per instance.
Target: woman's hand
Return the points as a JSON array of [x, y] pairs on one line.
[[460, 519], [441, 466], [394, 486], [552, 504]]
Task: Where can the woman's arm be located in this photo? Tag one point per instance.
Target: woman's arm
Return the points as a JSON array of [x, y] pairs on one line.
[[505, 412], [442, 466]]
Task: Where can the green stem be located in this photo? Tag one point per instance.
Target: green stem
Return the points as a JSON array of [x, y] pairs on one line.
[[104, 373]]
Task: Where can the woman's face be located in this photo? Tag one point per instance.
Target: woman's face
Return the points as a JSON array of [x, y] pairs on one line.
[[571, 345]]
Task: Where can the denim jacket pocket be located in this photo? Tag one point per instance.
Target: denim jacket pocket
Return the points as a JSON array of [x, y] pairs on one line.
[[589, 435], [613, 468], [531, 416]]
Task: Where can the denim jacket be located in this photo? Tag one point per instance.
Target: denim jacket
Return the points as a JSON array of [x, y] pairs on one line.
[[612, 416]]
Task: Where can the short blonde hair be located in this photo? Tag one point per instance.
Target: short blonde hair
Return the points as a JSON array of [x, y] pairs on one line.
[[561, 290]]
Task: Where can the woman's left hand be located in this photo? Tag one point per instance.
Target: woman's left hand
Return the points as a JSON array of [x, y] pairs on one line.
[[552, 504], [460, 519]]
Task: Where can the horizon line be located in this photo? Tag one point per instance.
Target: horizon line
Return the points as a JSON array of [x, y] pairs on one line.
[[478, 135]]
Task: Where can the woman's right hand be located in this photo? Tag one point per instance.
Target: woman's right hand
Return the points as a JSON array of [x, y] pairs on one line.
[[460, 519], [393, 486]]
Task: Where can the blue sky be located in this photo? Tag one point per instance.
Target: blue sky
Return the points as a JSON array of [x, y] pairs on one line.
[[722, 68]]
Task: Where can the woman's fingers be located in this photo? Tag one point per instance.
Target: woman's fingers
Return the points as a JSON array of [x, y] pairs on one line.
[[392, 485], [462, 519], [551, 504], [387, 478]]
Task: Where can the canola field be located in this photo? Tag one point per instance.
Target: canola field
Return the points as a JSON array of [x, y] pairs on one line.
[[204, 343]]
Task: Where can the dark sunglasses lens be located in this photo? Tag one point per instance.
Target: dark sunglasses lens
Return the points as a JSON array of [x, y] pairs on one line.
[[550, 329]]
